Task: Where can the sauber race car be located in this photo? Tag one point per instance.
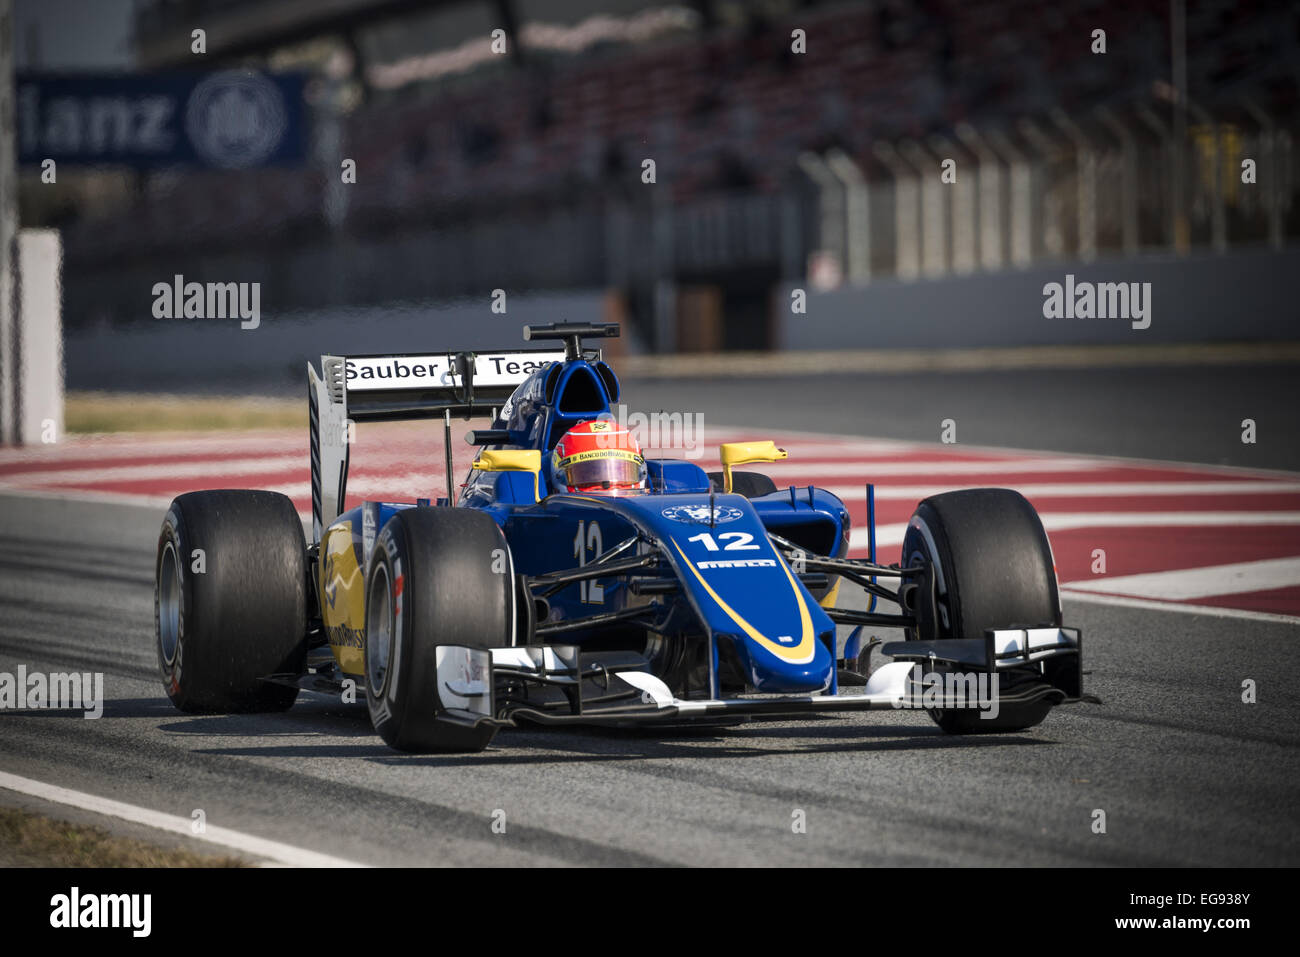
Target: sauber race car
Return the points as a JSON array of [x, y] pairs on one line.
[[574, 582]]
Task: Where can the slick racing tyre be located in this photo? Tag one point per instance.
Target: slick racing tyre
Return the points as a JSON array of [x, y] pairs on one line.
[[437, 576], [230, 600], [993, 568], [748, 484]]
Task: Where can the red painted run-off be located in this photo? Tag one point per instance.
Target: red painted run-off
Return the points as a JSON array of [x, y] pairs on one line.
[[1145, 517]]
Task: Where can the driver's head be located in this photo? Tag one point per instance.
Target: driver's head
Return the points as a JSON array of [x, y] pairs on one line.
[[599, 457]]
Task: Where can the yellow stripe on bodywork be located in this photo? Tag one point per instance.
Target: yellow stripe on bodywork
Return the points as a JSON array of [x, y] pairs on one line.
[[800, 653], [828, 600], [344, 618]]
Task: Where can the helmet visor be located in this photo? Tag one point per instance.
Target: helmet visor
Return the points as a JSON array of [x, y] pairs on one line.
[[604, 468]]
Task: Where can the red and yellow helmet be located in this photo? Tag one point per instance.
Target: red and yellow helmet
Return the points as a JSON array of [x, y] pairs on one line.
[[599, 457]]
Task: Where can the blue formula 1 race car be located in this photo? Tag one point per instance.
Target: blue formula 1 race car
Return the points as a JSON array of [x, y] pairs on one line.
[[574, 582]]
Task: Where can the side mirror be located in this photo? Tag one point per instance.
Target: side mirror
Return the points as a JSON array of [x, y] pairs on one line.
[[512, 460], [745, 453]]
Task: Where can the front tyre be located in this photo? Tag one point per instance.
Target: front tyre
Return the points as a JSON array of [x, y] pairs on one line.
[[230, 601], [993, 569], [437, 576]]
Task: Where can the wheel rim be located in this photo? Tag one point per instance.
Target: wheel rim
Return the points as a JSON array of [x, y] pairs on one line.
[[379, 629], [169, 603]]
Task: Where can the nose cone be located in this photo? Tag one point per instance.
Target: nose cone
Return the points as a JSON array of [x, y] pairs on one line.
[[739, 585], [774, 673]]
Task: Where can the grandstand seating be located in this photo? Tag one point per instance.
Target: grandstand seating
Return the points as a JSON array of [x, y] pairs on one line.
[[733, 108]]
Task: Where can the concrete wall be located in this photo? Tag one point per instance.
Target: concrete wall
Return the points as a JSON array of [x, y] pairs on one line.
[[1205, 298], [216, 355], [1238, 297], [40, 372]]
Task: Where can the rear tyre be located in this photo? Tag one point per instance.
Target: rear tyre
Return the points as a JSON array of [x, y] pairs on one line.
[[993, 569], [230, 600], [437, 576], [748, 484]]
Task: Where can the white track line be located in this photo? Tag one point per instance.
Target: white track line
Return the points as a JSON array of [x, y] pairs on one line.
[[386, 488], [1064, 521], [161, 470], [90, 495], [870, 470], [1068, 521], [915, 493], [707, 448], [284, 854], [1209, 611], [404, 484], [116, 447], [1090, 460], [1185, 583], [295, 465]]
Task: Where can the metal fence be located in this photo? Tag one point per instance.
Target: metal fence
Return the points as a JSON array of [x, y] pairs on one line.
[[1113, 183]]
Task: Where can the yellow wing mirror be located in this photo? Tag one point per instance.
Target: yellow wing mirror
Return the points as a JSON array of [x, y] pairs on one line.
[[512, 460], [745, 453]]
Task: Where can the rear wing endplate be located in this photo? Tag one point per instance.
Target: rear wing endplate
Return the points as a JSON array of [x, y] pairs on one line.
[[377, 388]]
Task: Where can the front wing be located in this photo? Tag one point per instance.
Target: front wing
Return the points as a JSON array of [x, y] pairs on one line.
[[469, 680]]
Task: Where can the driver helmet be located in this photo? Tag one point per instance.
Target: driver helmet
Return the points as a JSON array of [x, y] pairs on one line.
[[599, 457]]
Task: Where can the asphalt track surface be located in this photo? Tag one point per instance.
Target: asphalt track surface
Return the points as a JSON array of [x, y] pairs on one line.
[[1185, 414], [1186, 773]]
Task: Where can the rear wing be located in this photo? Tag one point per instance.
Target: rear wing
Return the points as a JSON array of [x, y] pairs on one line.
[[390, 388]]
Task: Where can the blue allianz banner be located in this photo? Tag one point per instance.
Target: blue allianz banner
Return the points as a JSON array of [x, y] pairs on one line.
[[226, 119]]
